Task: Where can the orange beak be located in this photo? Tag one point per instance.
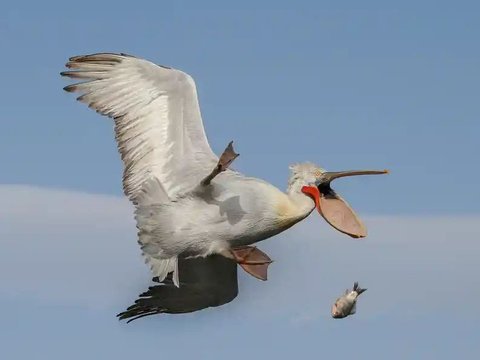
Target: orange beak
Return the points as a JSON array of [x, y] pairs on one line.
[[333, 208]]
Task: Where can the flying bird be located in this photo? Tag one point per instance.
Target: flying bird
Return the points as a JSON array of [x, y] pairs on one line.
[[191, 207], [346, 304]]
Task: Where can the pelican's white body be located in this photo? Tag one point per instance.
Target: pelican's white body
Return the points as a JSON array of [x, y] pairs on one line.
[[233, 210]]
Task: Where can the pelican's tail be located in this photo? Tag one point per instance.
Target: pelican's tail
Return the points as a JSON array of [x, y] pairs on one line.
[[205, 282]]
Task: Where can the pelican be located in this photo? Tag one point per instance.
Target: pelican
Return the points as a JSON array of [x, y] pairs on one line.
[[193, 212]]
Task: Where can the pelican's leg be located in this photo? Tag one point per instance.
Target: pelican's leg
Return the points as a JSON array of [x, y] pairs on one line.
[[223, 163], [252, 260]]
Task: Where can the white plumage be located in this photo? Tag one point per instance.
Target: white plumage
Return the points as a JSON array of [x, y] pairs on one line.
[[158, 128], [157, 119]]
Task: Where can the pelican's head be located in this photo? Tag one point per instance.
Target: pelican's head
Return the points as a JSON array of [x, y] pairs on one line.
[[313, 181]]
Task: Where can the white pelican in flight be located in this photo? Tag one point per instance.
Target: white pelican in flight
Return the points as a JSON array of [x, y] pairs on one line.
[[196, 217]]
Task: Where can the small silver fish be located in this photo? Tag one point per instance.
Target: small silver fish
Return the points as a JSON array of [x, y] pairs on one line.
[[347, 303]]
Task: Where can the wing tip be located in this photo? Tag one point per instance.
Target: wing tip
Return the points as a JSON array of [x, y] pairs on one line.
[[103, 56], [70, 88], [73, 74]]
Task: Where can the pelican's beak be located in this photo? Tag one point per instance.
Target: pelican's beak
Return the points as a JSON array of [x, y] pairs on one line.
[[333, 208]]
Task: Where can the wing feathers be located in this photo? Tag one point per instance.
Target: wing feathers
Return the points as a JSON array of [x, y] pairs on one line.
[[158, 125]]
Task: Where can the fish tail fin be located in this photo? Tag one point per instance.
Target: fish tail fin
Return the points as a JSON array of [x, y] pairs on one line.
[[357, 288]]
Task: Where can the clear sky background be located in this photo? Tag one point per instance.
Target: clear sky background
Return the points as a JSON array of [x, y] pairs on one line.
[[344, 84]]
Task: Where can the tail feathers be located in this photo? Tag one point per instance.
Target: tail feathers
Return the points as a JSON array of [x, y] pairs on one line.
[[161, 269], [358, 289], [206, 282]]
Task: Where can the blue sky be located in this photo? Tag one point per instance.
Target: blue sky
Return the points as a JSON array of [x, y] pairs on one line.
[[341, 83]]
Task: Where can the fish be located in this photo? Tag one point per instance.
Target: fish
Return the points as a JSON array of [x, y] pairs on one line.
[[346, 304]]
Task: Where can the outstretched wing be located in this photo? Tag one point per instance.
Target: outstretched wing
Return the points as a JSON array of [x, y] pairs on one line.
[[205, 282], [158, 125]]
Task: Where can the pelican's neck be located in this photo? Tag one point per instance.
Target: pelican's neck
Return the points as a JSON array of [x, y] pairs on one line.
[[293, 206], [303, 204]]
